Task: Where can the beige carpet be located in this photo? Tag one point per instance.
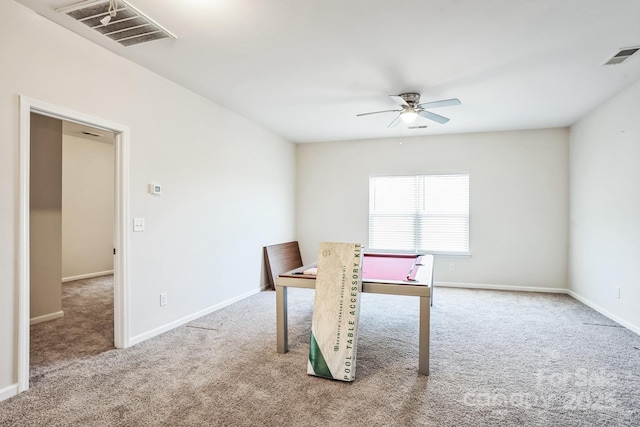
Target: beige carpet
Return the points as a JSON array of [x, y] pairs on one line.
[[497, 358], [85, 329]]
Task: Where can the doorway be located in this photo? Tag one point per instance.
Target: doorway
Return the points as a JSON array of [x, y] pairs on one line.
[[120, 216], [71, 236]]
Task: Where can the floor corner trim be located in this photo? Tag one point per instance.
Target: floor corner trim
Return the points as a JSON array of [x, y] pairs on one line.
[[9, 392]]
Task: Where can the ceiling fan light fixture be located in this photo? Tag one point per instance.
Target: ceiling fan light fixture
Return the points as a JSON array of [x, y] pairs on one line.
[[408, 116], [411, 108]]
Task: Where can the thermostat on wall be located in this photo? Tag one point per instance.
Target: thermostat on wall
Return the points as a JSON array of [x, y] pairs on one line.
[[155, 189]]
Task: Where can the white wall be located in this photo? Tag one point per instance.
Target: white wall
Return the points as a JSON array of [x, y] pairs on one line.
[[87, 206], [605, 208], [518, 199], [45, 228], [228, 184]]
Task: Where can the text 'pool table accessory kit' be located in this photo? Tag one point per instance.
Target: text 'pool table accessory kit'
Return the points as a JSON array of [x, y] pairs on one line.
[[336, 306]]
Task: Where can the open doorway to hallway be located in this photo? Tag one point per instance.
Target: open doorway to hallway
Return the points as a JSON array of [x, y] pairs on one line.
[[71, 243], [120, 237]]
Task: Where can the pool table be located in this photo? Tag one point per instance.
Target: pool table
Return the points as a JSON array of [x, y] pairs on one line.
[[395, 274]]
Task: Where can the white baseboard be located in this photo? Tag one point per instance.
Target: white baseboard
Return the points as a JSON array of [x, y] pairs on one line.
[[46, 317], [501, 287], [162, 329], [596, 307], [8, 392], [87, 276]]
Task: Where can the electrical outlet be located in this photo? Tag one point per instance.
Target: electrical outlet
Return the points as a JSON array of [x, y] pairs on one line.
[[452, 266], [163, 299]]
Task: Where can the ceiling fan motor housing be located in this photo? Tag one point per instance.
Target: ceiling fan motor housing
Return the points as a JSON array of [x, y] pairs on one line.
[[411, 98]]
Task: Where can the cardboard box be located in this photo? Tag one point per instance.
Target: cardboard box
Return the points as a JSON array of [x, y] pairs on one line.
[[334, 329]]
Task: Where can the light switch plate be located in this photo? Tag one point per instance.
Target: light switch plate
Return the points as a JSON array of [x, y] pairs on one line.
[[138, 224]]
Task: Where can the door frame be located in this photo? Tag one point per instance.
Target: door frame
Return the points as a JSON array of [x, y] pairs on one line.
[[121, 330]]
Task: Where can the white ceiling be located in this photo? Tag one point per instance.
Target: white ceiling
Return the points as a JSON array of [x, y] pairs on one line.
[[305, 68]]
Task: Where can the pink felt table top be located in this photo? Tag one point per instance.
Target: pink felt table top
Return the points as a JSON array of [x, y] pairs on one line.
[[390, 266]]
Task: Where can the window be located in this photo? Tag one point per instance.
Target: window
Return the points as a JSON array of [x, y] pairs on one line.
[[420, 213]]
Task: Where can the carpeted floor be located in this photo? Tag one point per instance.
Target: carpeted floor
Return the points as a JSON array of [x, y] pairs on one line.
[[85, 329], [497, 359]]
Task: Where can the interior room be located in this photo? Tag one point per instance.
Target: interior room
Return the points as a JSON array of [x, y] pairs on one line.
[[74, 241], [231, 126]]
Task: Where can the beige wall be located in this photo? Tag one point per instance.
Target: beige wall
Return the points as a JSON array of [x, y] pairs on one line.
[[518, 199], [605, 208], [87, 207], [45, 218], [228, 184]]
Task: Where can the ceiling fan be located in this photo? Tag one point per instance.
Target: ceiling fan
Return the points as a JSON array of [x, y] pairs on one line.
[[410, 109]]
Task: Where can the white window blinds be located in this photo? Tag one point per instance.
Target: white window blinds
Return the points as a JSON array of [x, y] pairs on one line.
[[420, 213]]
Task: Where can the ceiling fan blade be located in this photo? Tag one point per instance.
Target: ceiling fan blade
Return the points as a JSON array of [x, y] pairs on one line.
[[399, 100], [443, 103], [433, 116], [395, 122], [377, 112]]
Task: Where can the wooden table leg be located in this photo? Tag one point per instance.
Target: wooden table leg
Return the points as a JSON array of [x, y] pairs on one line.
[[423, 340], [281, 319]]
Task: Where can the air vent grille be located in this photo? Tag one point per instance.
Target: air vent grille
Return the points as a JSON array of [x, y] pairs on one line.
[[129, 26], [621, 56]]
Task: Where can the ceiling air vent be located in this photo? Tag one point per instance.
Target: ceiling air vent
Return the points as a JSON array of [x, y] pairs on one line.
[[122, 23], [621, 56]]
